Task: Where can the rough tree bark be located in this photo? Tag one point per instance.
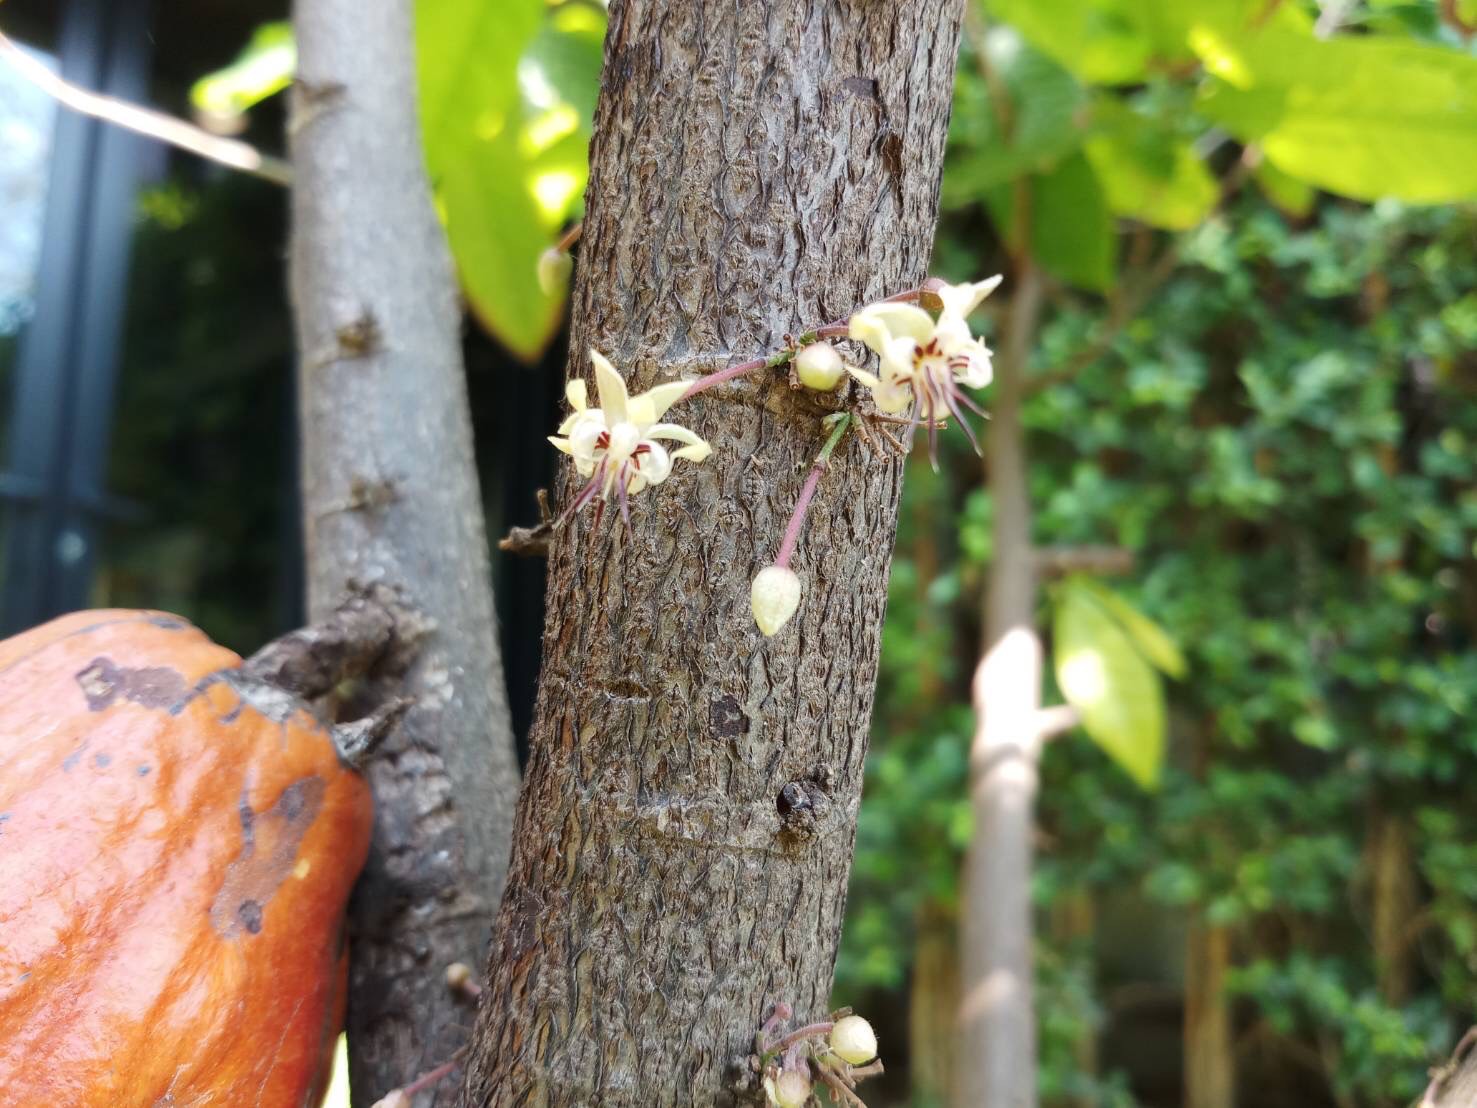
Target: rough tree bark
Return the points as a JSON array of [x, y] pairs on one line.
[[390, 496], [756, 167], [996, 1054]]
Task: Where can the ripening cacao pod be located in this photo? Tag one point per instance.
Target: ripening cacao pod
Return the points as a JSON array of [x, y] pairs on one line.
[[177, 846]]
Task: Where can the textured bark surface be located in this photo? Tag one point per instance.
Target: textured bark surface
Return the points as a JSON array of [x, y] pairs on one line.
[[390, 496], [996, 1052], [756, 167]]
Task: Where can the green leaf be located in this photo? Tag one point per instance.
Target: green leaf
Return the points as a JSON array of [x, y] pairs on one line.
[[1073, 236], [1148, 173], [1155, 642], [1366, 117], [1101, 41], [507, 100], [1105, 677], [1025, 118], [262, 69], [1292, 196]]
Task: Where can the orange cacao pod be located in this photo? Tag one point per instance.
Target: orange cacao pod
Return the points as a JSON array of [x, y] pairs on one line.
[[177, 846]]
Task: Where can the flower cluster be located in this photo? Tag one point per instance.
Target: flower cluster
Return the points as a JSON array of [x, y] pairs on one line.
[[836, 1053], [924, 364], [615, 445]]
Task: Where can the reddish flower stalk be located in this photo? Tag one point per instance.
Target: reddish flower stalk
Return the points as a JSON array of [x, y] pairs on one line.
[[835, 329], [807, 492]]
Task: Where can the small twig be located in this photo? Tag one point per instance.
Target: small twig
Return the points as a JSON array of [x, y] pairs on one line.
[[430, 1077], [1058, 561], [528, 542], [807, 491], [833, 1082], [147, 121], [358, 739], [1053, 721], [809, 1031], [366, 629], [461, 979]]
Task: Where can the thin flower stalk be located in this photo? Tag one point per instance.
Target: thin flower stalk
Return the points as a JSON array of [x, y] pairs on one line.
[[835, 329]]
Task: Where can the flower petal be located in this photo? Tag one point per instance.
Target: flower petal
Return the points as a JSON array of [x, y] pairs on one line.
[[561, 444], [611, 388], [653, 466], [697, 448], [576, 394], [876, 324], [868, 379], [960, 300], [663, 397]]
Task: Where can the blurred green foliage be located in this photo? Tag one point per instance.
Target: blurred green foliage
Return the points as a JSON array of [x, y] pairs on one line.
[[507, 103], [1271, 398], [1286, 436]]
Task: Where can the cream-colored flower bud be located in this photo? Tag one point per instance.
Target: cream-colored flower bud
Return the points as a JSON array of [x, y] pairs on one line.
[[554, 267], [459, 975], [853, 1040], [790, 1089], [395, 1098], [774, 597], [819, 366]]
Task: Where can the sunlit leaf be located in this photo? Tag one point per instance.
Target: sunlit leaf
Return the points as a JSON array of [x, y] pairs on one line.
[[1024, 119], [1154, 641], [262, 69], [1367, 117], [1149, 173], [1294, 197], [507, 101], [1101, 41], [1073, 236], [1105, 677]]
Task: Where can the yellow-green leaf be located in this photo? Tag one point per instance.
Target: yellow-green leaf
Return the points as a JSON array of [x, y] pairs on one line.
[[1149, 174], [1157, 645], [1294, 197], [1116, 692], [1365, 116], [507, 98], [263, 68]]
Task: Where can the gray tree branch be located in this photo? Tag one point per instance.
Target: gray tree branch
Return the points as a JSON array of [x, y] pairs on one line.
[[390, 498]]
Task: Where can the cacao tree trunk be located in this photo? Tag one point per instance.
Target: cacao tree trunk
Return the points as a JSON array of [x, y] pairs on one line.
[[756, 168], [390, 496]]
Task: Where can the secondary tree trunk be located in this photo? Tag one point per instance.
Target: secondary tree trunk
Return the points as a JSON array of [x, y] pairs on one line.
[[390, 495], [756, 168], [1210, 1054], [1394, 902], [996, 1054]]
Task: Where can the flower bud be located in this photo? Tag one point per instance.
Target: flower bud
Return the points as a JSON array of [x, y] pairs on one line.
[[853, 1040], [554, 267], [396, 1098], [790, 1089], [774, 597], [928, 295], [459, 975], [819, 367]]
